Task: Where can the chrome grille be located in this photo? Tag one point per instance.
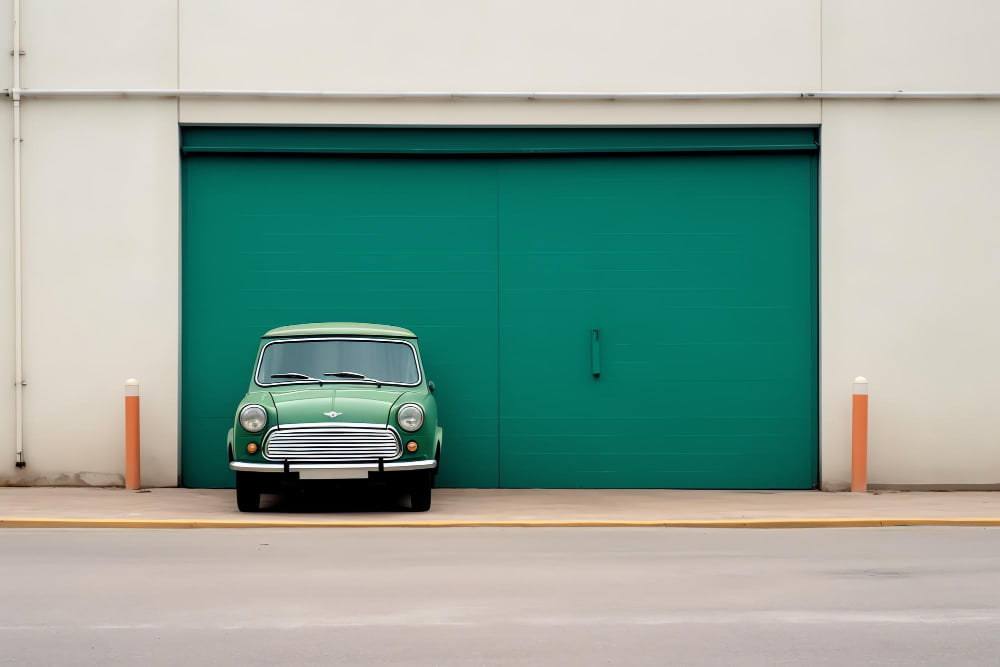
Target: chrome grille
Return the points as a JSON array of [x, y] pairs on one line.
[[342, 443]]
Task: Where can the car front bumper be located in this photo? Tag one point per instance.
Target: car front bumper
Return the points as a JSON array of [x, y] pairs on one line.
[[333, 470]]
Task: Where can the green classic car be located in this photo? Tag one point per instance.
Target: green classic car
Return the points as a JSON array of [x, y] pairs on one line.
[[336, 400]]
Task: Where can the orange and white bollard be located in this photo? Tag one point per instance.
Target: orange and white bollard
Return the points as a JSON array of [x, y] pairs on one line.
[[859, 437], [132, 476]]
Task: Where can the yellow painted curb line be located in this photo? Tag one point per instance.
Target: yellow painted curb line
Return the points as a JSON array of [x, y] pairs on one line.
[[56, 522]]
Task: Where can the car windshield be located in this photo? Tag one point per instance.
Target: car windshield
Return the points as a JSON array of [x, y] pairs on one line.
[[338, 360]]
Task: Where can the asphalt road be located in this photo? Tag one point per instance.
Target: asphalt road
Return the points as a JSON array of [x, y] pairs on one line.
[[564, 596]]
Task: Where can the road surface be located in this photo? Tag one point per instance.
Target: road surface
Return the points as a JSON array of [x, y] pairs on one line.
[[532, 596]]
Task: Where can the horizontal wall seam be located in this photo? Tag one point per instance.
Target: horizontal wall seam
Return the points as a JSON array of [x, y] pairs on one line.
[[501, 95]]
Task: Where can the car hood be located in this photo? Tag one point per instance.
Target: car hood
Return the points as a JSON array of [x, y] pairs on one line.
[[357, 406]]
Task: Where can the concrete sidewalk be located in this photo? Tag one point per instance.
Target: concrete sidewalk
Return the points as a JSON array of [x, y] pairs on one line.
[[193, 508]]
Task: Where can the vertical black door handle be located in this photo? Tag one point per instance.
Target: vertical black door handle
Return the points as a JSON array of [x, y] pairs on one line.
[[595, 352]]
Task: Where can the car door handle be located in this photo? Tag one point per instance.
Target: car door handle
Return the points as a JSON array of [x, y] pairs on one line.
[[595, 352]]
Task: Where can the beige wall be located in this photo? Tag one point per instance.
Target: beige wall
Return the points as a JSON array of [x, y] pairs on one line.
[[100, 251], [911, 45], [908, 245], [101, 285], [500, 44], [910, 285], [99, 43], [910, 248]]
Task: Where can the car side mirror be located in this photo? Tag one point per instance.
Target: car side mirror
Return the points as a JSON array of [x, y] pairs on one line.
[[430, 386]]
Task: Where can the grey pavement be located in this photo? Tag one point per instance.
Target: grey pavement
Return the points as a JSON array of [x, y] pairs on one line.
[[499, 596]]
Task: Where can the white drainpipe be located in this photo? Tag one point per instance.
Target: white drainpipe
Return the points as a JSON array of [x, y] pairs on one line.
[[18, 317]]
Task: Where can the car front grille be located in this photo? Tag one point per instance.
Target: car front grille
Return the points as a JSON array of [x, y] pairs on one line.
[[343, 443]]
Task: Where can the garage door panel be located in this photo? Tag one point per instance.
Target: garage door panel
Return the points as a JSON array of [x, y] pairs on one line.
[[630, 391], [697, 272], [663, 471], [274, 240]]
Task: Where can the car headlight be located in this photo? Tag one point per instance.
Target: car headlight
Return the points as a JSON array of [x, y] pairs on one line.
[[253, 418], [410, 417]]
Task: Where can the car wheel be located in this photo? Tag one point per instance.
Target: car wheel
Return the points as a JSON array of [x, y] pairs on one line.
[[437, 466], [247, 492], [420, 491]]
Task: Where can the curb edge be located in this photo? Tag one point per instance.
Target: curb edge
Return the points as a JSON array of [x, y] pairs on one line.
[[860, 522]]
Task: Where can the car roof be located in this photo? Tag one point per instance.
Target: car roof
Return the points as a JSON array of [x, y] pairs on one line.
[[340, 329]]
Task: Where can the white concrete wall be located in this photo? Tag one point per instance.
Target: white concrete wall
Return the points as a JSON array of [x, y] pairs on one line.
[[910, 45], [908, 245], [489, 45], [100, 287], [910, 287], [910, 260], [386, 45], [100, 217]]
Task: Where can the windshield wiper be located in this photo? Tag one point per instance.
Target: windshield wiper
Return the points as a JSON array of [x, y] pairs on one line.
[[295, 376], [355, 376]]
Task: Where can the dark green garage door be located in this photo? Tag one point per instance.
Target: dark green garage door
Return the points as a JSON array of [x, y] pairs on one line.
[[614, 309]]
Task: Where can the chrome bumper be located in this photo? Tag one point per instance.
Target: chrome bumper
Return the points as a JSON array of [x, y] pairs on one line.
[[333, 470]]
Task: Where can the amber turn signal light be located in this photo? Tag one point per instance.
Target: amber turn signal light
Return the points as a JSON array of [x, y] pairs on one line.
[[411, 446], [252, 448]]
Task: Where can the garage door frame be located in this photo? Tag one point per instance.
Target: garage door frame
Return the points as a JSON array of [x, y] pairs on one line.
[[490, 140], [369, 140]]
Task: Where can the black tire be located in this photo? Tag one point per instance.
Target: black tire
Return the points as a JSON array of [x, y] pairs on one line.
[[421, 483], [247, 492], [434, 473]]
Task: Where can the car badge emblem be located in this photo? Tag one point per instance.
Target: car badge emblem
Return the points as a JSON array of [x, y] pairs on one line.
[[332, 414]]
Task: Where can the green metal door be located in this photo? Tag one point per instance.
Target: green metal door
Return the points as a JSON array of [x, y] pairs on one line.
[[658, 321], [680, 264], [270, 240]]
